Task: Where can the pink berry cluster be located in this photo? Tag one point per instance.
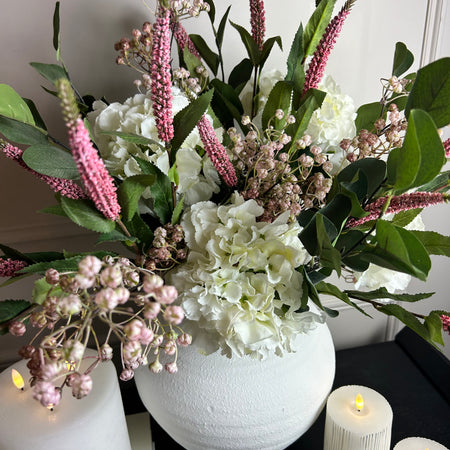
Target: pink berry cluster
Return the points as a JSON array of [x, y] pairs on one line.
[[134, 303], [168, 248], [278, 179], [136, 53], [191, 85], [385, 136]]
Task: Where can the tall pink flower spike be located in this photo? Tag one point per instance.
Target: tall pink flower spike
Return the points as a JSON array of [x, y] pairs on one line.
[[9, 267], [66, 188], [161, 82], [98, 184], [258, 22], [216, 151], [399, 203], [319, 60], [183, 39]]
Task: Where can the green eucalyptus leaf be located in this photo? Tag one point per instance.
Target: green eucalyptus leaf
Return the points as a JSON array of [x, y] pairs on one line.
[[431, 92], [240, 75], [210, 58], [52, 161], [84, 214], [50, 72], [403, 59], [186, 120], [115, 236], [40, 290], [316, 26], [433, 323], [12, 308], [309, 286], [279, 98], [57, 210], [250, 44], [367, 115], [20, 132], [12, 105], [422, 156], [38, 121], [130, 191], [434, 243], [137, 227], [329, 256]]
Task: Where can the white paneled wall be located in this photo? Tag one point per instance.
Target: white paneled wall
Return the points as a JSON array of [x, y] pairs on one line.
[[361, 57]]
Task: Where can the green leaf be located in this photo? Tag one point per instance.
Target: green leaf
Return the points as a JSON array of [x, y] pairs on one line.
[[250, 44], [383, 293], [130, 191], [14, 106], [267, 48], [240, 75], [38, 121], [331, 289], [316, 26], [50, 72], [44, 256], [221, 29], [421, 157], [61, 265], [40, 290], [21, 133], [55, 209], [434, 243], [134, 138], [52, 161], [12, 308], [186, 120], [403, 59], [431, 92], [329, 256], [210, 58], [212, 10], [367, 115], [137, 227], [404, 218], [84, 214], [295, 54], [313, 100], [56, 33], [115, 236], [177, 211], [433, 323], [12, 253], [314, 295], [226, 103], [440, 183], [279, 98]]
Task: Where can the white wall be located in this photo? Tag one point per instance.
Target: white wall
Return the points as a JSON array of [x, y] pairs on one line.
[[361, 57]]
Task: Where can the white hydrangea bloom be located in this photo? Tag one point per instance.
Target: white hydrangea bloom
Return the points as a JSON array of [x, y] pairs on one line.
[[333, 121], [198, 179], [239, 287], [376, 277]]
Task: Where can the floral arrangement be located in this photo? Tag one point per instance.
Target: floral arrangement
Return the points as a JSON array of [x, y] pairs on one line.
[[235, 199]]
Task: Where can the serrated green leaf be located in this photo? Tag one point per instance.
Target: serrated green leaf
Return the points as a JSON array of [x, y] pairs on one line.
[[12, 308], [186, 120], [115, 236], [134, 138], [137, 227], [279, 98], [422, 156], [404, 218], [383, 293], [435, 243], [47, 159], [295, 54], [61, 265], [431, 92], [211, 58], [12, 253], [403, 59], [40, 290], [57, 210], [20, 132], [316, 26], [130, 191], [50, 72], [84, 214], [14, 106]]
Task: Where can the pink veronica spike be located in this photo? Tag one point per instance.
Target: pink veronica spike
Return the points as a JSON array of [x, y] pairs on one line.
[[183, 39], [258, 21], [9, 267]]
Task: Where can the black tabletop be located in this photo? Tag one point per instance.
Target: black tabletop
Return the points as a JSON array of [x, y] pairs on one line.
[[412, 376]]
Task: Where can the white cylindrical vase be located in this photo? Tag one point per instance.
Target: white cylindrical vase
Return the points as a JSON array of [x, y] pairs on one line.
[[96, 422], [214, 402]]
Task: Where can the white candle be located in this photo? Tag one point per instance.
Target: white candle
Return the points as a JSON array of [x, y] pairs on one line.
[[96, 422], [419, 443], [349, 426]]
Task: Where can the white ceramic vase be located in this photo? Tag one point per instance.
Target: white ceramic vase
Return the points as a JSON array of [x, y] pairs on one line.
[[213, 402]]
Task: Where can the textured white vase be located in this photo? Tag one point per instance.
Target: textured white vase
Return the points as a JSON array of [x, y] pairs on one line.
[[218, 403]]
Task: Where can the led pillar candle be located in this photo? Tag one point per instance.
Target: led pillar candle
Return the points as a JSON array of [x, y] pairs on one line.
[[357, 418], [419, 443], [96, 422]]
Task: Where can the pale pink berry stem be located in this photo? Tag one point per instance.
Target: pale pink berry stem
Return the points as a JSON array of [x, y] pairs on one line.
[[216, 151], [399, 203], [66, 188], [319, 60], [161, 82], [258, 22]]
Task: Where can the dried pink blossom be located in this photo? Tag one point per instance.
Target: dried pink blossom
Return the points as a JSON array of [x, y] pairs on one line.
[[17, 328], [46, 393], [216, 152], [81, 385], [67, 188], [9, 267], [171, 367], [161, 83], [174, 314], [319, 60], [258, 22]]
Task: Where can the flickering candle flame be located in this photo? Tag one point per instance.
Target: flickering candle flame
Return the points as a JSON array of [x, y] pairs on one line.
[[17, 379], [359, 402]]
